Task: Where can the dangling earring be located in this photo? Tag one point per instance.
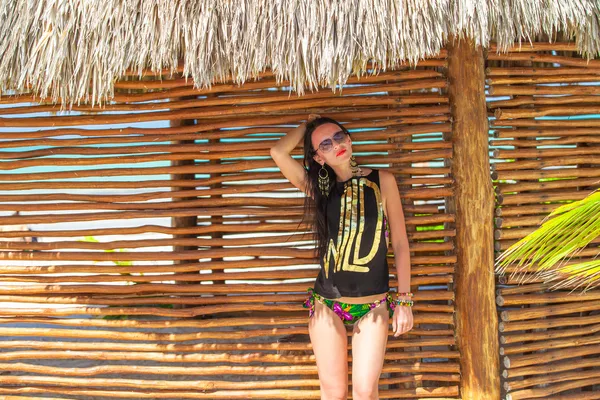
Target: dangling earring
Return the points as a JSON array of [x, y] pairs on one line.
[[324, 181], [356, 171]]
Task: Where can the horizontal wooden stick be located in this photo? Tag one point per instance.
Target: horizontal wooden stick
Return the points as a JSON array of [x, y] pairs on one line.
[[504, 113], [545, 58], [207, 370], [509, 211], [541, 197], [157, 183], [541, 100], [540, 133], [546, 162], [199, 357], [506, 222], [108, 172], [265, 81], [251, 97], [427, 150], [253, 215], [391, 129], [155, 268], [279, 320], [509, 90], [175, 288], [215, 210], [156, 384], [194, 152], [547, 142], [151, 206], [288, 239], [135, 336], [211, 129], [189, 267], [190, 312], [231, 179], [551, 71], [240, 370], [397, 343], [160, 255], [214, 168], [545, 298], [547, 173], [289, 394], [423, 393], [552, 389], [180, 337], [220, 111], [203, 386], [514, 326], [538, 186], [561, 343], [554, 378], [511, 290], [134, 244], [267, 276], [540, 312], [293, 226], [534, 46], [552, 355], [549, 123], [551, 367], [542, 79], [563, 333]]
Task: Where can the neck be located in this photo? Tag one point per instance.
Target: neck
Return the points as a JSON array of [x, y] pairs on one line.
[[345, 172]]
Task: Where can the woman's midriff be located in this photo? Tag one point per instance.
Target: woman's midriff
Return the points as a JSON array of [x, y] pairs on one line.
[[360, 300]]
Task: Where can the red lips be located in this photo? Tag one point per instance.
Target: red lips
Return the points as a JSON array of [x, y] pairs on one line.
[[339, 153]]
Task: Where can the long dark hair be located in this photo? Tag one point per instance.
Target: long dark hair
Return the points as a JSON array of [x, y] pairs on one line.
[[317, 207]]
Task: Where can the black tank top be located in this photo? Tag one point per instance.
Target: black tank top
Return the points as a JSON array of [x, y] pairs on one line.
[[355, 262]]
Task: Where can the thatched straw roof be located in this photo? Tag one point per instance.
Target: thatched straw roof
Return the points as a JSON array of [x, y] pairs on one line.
[[74, 50]]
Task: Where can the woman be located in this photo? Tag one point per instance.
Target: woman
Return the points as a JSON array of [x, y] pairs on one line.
[[351, 207]]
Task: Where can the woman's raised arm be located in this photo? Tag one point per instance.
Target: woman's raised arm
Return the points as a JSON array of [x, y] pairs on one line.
[[281, 154]]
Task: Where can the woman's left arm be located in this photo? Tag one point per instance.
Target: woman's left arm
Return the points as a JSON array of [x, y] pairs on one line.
[[395, 216], [403, 319]]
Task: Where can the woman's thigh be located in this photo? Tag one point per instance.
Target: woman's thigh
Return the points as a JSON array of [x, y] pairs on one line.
[[330, 344], [369, 339]]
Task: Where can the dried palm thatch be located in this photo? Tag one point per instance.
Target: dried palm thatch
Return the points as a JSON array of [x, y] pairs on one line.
[[72, 51]]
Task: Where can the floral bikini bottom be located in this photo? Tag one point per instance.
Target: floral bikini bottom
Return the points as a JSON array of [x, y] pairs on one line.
[[348, 313]]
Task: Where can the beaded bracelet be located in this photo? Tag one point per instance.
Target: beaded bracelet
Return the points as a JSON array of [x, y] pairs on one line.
[[402, 302], [408, 303]]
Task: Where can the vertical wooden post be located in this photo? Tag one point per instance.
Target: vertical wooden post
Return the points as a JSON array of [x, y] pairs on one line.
[[473, 203], [189, 221]]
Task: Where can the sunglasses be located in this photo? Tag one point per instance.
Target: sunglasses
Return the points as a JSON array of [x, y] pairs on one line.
[[327, 144]]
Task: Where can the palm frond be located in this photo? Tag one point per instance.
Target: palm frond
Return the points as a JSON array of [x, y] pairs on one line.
[[547, 251]]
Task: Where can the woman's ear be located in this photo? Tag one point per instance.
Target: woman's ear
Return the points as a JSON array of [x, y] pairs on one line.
[[319, 159]]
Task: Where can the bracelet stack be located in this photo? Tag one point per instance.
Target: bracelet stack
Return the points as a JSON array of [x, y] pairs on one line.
[[402, 302]]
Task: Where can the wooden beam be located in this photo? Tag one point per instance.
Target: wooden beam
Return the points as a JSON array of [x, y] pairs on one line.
[[473, 204], [189, 221]]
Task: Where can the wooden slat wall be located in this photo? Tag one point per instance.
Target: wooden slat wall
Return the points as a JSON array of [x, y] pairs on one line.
[[545, 106], [209, 306]]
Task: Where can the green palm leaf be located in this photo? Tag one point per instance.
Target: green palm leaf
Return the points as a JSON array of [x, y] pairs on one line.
[[548, 250]]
